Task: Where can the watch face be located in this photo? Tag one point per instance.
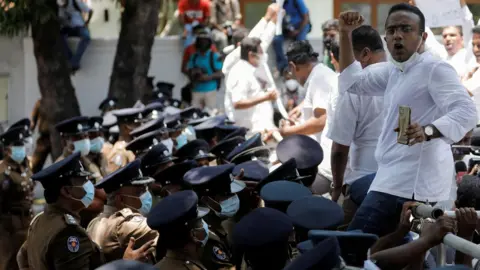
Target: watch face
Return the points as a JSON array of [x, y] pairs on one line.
[[429, 131]]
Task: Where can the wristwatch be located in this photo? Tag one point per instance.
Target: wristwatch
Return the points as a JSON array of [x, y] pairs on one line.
[[428, 130]]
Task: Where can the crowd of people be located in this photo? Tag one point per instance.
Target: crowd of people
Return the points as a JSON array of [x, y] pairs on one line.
[[338, 184]]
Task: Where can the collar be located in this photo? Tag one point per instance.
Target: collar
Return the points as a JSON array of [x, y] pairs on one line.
[[109, 210], [57, 209], [14, 166], [246, 66], [411, 62]]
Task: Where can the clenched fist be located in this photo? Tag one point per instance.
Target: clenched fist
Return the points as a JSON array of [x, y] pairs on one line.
[[350, 20]]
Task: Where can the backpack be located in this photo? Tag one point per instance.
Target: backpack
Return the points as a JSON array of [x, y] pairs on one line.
[[212, 65]]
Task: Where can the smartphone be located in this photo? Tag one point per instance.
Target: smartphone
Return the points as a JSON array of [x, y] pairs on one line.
[[404, 115], [461, 149]]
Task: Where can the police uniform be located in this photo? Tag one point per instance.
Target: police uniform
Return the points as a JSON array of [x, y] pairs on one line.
[[127, 265], [43, 144], [170, 217], [95, 124], [111, 132], [195, 150], [119, 156], [324, 255], [112, 229], [16, 196], [211, 181], [55, 238], [156, 159], [170, 180]]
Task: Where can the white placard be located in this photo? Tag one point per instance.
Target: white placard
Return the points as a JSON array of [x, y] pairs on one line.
[[441, 12], [280, 15]]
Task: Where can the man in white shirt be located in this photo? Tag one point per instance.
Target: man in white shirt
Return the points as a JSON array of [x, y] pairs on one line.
[[472, 79], [321, 84], [441, 114], [357, 126], [252, 102]]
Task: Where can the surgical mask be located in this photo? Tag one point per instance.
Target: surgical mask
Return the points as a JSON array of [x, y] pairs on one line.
[[291, 85], [18, 153], [82, 146], [146, 200], [402, 65], [169, 144], [96, 145], [181, 140], [229, 207], [89, 194], [205, 227], [190, 133]]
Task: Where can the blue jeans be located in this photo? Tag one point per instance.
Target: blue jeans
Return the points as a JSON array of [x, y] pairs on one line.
[[359, 188], [278, 41], [84, 35]]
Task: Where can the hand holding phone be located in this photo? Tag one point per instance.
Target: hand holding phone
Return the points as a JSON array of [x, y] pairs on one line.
[[404, 119]]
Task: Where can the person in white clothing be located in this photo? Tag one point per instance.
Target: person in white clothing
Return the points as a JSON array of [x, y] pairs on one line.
[[441, 114], [321, 84], [472, 79], [252, 102], [356, 127]]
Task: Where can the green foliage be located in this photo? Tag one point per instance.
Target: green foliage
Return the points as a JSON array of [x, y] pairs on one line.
[[16, 16]]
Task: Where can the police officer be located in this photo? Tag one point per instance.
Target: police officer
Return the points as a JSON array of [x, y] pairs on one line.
[[207, 129], [183, 232], [43, 146], [219, 193], [97, 142], [153, 110], [149, 126], [140, 145], [224, 147], [157, 159], [225, 132], [127, 119], [128, 201], [197, 150], [27, 133], [170, 180], [324, 255], [107, 105], [279, 194], [16, 195], [74, 132]]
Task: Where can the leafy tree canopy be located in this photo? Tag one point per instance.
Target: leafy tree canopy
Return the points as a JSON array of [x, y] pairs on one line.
[[16, 16]]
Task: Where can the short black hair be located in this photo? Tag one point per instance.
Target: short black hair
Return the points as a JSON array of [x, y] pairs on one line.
[[239, 34], [468, 192], [366, 36], [335, 49], [408, 8], [331, 24], [247, 45], [301, 52], [476, 30]]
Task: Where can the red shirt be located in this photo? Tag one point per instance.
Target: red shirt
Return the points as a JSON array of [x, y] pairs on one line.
[[198, 12], [190, 50]]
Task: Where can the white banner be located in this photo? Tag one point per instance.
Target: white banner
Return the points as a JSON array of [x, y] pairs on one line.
[[440, 13]]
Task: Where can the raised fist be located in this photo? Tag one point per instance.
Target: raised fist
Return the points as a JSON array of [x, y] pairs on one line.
[[350, 20]]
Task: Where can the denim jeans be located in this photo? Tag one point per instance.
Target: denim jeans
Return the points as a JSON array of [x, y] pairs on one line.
[[84, 35], [278, 47]]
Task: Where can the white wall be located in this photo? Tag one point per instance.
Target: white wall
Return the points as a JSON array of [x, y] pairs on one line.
[[320, 11]]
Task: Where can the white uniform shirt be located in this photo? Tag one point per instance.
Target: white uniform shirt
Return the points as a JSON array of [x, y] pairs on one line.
[[358, 124], [473, 85], [242, 84], [322, 92], [431, 88]]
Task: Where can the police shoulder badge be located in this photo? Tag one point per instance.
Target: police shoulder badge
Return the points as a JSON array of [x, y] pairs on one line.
[[73, 244], [219, 253]]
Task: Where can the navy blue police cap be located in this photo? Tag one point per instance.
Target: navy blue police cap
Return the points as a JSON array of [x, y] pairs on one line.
[[157, 155], [262, 227], [126, 265], [315, 213], [172, 102], [165, 88], [191, 113], [109, 120], [143, 143], [222, 149], [215, 180], [242, 132], [305, 150], [206, 130], [25, 124], [176, 211], [95, 123], [13, 135], [175, 173], [254, 170], [129, 115], [223, 131], [173, 121], [153, 110], [198, 121], [325, 255], [152, 125], [129, 175], [280, 194], [74, 125], [196, 149], [305, 246], [57, 175], [286, 171], [108, 103], [261, 153], [252, 142]]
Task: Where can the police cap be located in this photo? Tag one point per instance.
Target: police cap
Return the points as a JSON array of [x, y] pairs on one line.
[[254, 141], [157, 155], [223, 148], [145, 142], [25, 124], [174, 174], [252, 170], [13, 135], [280, 194], [152, 125], [74, 125], [95, 123], [215, 180], [129, 175], [108, 103], [196, 149], [305, 150], [325, 255], [128, 115], [315, 213]]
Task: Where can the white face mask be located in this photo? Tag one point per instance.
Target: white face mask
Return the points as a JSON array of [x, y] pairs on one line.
[[291, 85], [82, 146], [402, 65], [229, 207], [169, 144]]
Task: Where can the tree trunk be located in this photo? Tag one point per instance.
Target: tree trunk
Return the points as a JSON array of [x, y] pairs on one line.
[[58, 95], [128, 82]]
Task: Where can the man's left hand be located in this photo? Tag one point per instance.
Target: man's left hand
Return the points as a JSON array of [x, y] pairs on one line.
[[415, 134]]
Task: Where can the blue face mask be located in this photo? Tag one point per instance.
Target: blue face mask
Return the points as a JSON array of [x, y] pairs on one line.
[[18, 153], [96, 145], [205, 227], [146, 200], [89, 193], [82, 146], [181, 140]]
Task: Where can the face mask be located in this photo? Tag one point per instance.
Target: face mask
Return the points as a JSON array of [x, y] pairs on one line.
[[291, 85], [18, 153], [190, 133], [89, 194], [82, 146], [181, 140], [229, 207], [205, 227], [96, 145], [146, 200], [402, 65], [169, 144]]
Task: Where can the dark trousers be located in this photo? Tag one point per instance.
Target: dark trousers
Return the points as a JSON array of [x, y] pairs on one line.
[[84, 35]]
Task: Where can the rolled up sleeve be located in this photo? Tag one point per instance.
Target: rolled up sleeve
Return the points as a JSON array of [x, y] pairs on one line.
[[458, 109], [371, 81]]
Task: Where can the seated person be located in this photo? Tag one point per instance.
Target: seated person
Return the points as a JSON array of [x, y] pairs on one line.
[[192, 13]]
